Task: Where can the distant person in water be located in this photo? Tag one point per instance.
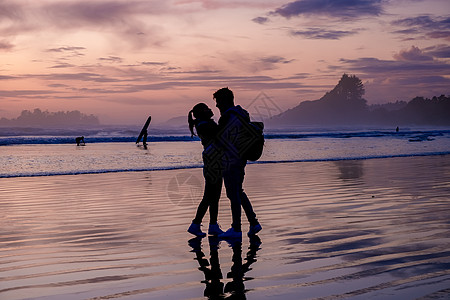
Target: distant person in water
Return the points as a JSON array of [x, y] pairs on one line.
[[200, 118], [144, 133], [80, 141], [231, 122]]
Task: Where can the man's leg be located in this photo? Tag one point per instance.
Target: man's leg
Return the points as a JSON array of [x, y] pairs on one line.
[[255, 227], [233, 185], [245, 202], [248, 209]]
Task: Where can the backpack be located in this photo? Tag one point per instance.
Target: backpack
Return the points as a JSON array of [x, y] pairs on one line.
[[251, 139]]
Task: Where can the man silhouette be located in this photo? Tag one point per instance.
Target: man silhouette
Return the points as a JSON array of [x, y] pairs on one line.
[[231, 124]]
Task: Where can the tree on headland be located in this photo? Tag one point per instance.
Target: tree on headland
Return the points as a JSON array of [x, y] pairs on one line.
[[347, 97], [344, 104], [41, 118], [349, 88]]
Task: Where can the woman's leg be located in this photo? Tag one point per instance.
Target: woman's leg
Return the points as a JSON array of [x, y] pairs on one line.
[[211, 196], [201, 209], [213, 193]]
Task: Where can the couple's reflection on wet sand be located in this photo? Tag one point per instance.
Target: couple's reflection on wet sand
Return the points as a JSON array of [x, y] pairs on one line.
[[214, 281]]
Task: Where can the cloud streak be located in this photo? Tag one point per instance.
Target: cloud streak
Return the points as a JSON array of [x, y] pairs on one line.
[[321, 33], [61, 66], [261, 20], [251, 62], [439, 51], [431, 27], [352, 9], [92, 77], [111, 59], [65, 49], [375, 67], [219, 4], [26, 93]]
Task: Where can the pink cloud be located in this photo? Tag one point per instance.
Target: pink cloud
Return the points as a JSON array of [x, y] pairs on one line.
[[218, 4], [412, 54], [5, 45]]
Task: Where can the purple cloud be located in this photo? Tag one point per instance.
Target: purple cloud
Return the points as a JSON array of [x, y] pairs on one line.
[[10, 10], [6, 77], [65, 49], [345, 9], [112, 59], [260, 20], [78, 76], [115, 17], [215, 4], [319, 33], [119, 17], [436, 28], [261, 63], [394, 67], [14, 18], [153, 63], [210, 80], [439, 35], [58, 85], [422, 80], [195, 72], [62, 65], [439, 51], [25, 93], [76, 13], [413, 54], [440, 23], [251, 62], [275, 60]]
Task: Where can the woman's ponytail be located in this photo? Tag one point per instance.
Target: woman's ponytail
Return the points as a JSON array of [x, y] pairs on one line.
[[191, 123]]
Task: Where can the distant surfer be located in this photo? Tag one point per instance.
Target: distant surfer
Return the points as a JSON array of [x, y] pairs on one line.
[[80, 141], [144, 133], [397, 129]]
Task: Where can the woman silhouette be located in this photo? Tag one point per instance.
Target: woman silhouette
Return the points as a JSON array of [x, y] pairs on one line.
[[200, 117]]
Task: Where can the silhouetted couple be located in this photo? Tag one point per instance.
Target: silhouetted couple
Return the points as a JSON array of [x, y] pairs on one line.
[[222, 160]]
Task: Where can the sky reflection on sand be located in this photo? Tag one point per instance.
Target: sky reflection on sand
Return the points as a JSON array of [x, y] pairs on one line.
[[332, 230]]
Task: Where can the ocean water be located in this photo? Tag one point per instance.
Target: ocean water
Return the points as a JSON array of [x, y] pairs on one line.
[[33, 152]]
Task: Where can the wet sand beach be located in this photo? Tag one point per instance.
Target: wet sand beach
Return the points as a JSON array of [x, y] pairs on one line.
[[350, 229]]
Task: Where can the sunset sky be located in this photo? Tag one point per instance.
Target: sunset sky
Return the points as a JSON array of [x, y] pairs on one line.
[[123, 60]]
